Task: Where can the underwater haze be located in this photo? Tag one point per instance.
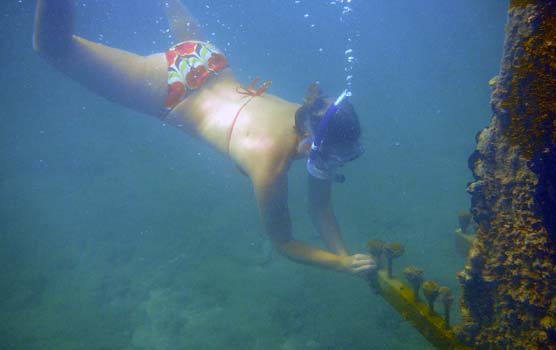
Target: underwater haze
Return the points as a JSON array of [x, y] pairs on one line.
[[119, 232]]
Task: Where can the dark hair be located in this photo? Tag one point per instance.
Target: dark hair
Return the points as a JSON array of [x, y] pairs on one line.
[[343, 128]]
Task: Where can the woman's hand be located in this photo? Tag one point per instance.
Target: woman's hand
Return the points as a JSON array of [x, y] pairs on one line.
[[359, 264]]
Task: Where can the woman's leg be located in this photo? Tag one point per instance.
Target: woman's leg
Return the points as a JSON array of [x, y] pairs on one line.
[[134, 81], [182, 24]]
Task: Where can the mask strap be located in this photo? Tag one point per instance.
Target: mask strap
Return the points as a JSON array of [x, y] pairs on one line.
[[323, 125]]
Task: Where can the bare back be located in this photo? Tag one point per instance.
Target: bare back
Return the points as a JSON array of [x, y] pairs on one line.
[[263, 131]]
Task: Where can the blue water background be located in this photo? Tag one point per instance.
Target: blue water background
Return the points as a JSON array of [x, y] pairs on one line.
[[118, 232]]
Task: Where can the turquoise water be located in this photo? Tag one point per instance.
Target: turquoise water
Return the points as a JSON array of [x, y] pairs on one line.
[[117, 232]]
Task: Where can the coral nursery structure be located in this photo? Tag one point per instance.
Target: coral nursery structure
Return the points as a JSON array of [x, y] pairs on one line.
[[509, 282]]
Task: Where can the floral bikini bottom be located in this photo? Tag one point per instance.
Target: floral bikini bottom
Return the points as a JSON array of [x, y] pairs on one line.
[[190, 63]]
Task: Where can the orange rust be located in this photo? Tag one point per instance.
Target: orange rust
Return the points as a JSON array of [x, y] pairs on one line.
[[509, 300], [530, 102]]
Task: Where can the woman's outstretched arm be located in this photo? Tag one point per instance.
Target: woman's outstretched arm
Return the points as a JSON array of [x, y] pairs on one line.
[[131, 80], [273, 208], [272, 200], [322, 214], [324, 221]]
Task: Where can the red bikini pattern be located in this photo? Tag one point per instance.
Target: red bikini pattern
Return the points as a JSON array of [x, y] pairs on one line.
[[189, 65]]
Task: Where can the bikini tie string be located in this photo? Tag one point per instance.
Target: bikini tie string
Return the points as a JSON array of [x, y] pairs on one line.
[[250, 90], [251, 93]]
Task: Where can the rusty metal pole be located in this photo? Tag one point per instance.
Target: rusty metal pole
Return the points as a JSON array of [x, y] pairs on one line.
[[509, 282]]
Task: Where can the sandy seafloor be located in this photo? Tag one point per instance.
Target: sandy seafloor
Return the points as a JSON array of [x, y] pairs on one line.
[[118, 232]]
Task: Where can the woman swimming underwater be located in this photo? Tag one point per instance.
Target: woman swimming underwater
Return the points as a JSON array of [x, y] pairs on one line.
[[191, 87]]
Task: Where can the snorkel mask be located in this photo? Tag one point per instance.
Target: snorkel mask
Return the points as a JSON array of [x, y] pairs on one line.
[[324, 160]]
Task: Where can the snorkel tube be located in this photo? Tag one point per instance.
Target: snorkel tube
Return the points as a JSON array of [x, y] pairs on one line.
[[316, 164]]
